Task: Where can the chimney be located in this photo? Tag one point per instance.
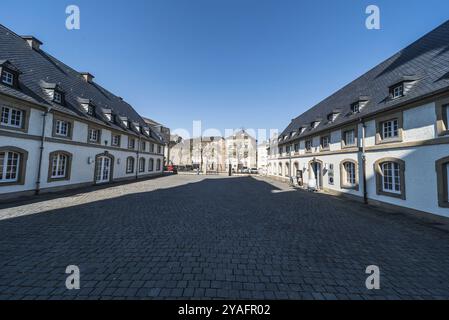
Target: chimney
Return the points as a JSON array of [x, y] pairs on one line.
[[32, 42], [87, 76]]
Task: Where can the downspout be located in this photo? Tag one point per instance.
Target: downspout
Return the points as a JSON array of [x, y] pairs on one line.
[[41, 152], [365, 188], [138, 160]]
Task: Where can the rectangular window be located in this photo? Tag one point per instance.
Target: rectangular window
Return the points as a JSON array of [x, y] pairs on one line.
[[159, 149], [350, 173], [130, 165], [7, 78], [391, 177], [158, 165], [446, 168], [446, 116], [397, 91], [90, 110], [143, 146], [152, 148], [11, 117], [93, 135], [9, 166], [349, 137], [309, 145], [287, 149], [390, 129], [281, 150], [116, 140], [131, 143], [151, 165], [296, 147], [355, 107], [59, 166], [325, 142], [57, 97], [142, 165], [62, 128]]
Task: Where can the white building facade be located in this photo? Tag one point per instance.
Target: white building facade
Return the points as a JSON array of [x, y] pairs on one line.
[[383, 139], [61, 130], [241, 151]]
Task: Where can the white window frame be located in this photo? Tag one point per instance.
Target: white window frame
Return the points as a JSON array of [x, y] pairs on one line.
[[7, 77], [350, 134], [130, 162], [350, 171], [9, 117], [93, 133], [5, 168], [355, 107], [142, 165], [308, 145], [325, 138], [397, 91], [390, 129], [59, 166], [57, 97], [116, 140], [393, 177], [60, 126]]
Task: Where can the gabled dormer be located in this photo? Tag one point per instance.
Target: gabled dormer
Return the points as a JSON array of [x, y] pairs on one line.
[[315, 123], [357, 106], [88, 106], [146, 131], [136, 126], [331, 117], [108, 114], [9, 74], [124, 122], [54, 92], [402, 86], [302, 130]]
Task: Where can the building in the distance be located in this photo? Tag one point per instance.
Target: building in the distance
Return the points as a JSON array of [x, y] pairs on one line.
[[60, 129], [206, 153], [241, 151], [383, 138]]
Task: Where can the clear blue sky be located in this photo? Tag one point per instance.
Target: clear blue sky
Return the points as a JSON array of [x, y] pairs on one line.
[[229, 63]]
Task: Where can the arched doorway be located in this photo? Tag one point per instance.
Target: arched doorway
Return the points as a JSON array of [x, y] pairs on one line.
[[316, 174], [104, 168]]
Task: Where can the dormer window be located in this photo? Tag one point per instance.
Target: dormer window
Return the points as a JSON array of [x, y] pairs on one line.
[[57, 97], [397, 91], [302, 130], [355, 107], [9, 74], [90, 110], [7, 78], [314, 124]]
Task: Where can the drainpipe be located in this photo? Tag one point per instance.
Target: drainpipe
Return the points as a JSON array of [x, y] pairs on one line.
[[41, 152], [137, 162], [365, 188]]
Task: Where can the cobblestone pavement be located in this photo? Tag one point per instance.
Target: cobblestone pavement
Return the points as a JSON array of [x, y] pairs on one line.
[[193, 237]]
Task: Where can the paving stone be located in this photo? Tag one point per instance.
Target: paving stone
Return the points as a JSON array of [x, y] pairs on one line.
[[215, 237]]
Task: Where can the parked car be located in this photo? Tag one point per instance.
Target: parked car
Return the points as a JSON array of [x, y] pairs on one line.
[[253, 171], [245, 170]]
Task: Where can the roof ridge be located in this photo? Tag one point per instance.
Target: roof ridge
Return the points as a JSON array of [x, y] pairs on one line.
[[376, 66]]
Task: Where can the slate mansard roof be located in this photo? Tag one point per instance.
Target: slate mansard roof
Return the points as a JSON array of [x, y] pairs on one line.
[[424, 63], [40, 71]]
